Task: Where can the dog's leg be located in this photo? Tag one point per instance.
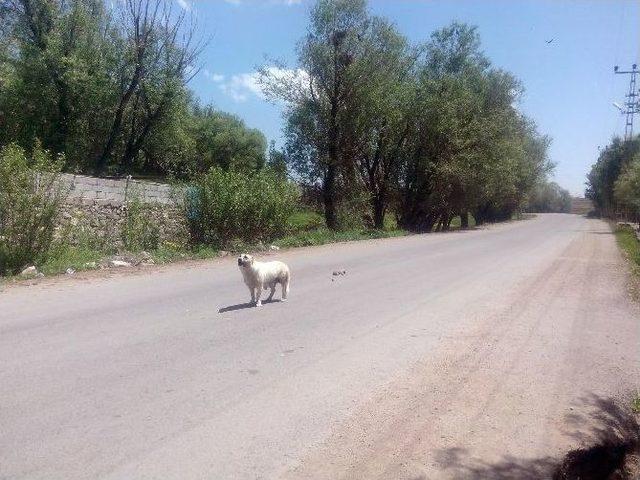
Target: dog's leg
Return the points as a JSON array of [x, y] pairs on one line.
[[272, 286], [258, 295], [285, 289], [253, 295]]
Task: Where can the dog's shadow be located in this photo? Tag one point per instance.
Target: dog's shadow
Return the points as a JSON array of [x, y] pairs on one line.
[[242, 306]]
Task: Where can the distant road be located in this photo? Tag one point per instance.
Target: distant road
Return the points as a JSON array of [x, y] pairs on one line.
[[480, 354]]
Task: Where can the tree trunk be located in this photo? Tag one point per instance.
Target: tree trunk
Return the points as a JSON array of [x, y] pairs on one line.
[[464, 220], [378, 211], [328, 193]]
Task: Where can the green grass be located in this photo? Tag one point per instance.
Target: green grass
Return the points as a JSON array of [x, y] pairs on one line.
[[306, 220], [630, 246], [323, 235], [456, 222], [62, 257], [171, 252]]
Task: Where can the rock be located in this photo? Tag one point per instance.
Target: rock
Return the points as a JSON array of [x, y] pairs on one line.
[[144, 256], [274, 248], [223, 253], [91, 265], [29, 272], [339, 272], [39, 275], [119, 263], [148, 261], [70, 271]]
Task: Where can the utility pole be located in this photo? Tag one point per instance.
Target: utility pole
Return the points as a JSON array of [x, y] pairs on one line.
[[632, 104]]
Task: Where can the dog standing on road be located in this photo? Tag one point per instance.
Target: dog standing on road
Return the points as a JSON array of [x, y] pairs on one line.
[[262, 275]]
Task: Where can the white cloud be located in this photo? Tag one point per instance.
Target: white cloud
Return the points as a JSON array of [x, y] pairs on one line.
[[185, 4], [239, 87], [215, 77], [242, 86]]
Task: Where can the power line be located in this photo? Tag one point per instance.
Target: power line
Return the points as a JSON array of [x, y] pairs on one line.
[[632, 104]]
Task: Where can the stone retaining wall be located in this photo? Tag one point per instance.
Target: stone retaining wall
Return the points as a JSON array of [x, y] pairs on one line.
[[96, 210]]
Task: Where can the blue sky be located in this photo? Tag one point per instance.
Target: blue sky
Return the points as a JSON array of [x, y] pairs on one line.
[[570, 85]]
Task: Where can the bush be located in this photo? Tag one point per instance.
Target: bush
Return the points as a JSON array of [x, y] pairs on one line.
[[31, 195], [225, 206], [140, 231], [306, 220]]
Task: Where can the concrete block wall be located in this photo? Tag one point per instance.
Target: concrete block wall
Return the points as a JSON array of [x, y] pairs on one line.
[[87, 189]]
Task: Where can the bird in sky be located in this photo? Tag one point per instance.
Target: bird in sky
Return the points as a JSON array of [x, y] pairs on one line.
[[549, 41]]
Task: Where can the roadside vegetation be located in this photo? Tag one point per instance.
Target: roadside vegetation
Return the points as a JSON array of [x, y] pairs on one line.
[[382, 137], [613, 184], [614, 188], [630, 245]]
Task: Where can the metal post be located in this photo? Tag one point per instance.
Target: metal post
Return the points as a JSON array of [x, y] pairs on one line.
[[632, 104]]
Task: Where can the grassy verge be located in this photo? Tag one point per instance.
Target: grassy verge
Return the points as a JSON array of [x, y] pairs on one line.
[[630, 245], [78, 258], [84, 258], [307, 230], [322, 236]]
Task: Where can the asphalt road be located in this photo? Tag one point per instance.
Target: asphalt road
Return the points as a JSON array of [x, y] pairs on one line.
[[480, 354]]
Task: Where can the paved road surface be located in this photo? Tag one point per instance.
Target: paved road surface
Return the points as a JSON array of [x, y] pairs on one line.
[[482, 354]]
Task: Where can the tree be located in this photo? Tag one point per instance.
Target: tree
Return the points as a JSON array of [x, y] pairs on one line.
[[93, 81], [549, 197], [158, 60], [613, 160], [469, 148], [319, 93], [377, 125], [627, 189]]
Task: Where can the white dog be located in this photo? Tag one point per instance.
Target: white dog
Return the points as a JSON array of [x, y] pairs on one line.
[[262, 275]]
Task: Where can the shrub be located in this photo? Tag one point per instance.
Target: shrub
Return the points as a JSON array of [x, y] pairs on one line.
[[306, 220], [31, 195], [225, 206], [140, 231]]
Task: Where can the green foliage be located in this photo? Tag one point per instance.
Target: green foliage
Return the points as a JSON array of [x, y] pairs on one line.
[[140, 231], [30, 198], [613, 160], [630, 245], [61, 257], [223, 206], [627, 188], [223, 140], [549, 197], [305, 220], [324, 235], [105, 83], [430, 132]]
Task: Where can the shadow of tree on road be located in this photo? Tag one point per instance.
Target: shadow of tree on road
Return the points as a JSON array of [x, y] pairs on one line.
[[462, 465], [612, 436], [606, 426]]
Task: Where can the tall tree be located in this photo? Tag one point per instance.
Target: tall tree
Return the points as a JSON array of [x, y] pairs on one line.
[[158, 59], [319, 92]]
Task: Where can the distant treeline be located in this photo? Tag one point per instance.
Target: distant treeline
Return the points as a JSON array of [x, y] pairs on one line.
[[549, 197], [614, 180]]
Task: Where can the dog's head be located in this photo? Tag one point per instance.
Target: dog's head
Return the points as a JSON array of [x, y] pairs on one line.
[[245, 260]]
